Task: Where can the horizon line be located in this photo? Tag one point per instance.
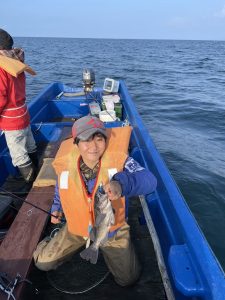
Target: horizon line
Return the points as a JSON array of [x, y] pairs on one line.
[[107, 38]]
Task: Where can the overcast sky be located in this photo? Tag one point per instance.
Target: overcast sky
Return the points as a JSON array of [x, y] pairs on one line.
[[137, 19]]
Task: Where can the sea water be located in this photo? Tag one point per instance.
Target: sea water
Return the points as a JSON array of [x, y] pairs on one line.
[[179, 90]]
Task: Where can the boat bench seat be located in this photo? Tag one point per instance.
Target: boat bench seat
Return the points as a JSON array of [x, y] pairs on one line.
[[16, 250], [46, 175]]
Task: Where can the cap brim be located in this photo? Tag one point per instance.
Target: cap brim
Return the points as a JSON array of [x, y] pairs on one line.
[[85, 135]]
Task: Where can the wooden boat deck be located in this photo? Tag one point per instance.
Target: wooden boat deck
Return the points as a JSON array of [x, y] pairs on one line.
[[20, 242]]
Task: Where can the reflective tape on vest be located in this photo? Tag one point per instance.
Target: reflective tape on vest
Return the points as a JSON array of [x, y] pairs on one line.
[[12, 111], [15, 108], [111, 173], [63, 181]]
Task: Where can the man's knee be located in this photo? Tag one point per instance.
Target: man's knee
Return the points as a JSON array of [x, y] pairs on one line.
[[129, 279], [47, 258], [45, 266], [46, 263], [41, 260]]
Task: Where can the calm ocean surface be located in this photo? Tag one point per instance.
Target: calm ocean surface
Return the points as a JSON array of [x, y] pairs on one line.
[[179, 90]]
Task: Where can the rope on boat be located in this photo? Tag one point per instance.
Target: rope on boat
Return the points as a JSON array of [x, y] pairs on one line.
[[7, 284], [82, 291], [157, 248], [77, 276]]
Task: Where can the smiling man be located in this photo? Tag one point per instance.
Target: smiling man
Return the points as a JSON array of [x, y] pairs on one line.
[[93, 166]]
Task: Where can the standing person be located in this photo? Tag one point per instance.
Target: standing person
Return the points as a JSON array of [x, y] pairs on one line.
[[90, 165], [14, 116]]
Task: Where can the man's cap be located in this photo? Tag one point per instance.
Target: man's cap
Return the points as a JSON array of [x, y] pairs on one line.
[[86, 126], [6, 41]]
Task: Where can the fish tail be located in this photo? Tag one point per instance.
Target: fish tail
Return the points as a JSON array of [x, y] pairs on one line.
[[91, 254]]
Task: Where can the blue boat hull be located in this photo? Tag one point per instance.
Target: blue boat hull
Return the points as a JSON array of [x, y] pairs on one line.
[[187, 264]]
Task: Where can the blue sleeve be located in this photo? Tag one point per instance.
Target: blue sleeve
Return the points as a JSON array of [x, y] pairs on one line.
[[56, 206], [135, 180]]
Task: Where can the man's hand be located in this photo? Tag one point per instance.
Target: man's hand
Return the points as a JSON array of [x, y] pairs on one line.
[[59, 216], [113, 190]]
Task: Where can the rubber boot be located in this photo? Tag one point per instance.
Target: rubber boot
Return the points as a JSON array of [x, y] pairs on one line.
[[28, 171], [34, 158]]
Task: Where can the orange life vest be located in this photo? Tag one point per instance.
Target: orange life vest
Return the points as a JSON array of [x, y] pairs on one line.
[[77, 205]]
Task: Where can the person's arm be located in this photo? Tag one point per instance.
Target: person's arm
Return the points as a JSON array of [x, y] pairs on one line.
[[3, 90], [56, 208], [132, 181]]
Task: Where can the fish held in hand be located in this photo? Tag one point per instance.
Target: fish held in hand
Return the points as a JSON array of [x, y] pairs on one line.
[[104, 219]]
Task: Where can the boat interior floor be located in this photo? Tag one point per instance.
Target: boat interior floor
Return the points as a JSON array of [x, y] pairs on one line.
[[149, 286]]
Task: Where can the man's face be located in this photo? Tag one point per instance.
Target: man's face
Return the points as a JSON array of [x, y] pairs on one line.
[[92, 149]]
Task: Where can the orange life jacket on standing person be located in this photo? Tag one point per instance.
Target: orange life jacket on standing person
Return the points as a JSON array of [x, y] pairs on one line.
[[78, 206]]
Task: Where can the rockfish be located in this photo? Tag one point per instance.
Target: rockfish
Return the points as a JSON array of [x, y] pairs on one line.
[[104, 219]]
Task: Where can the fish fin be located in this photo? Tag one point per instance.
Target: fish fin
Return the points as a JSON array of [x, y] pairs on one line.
[[91, 254]]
